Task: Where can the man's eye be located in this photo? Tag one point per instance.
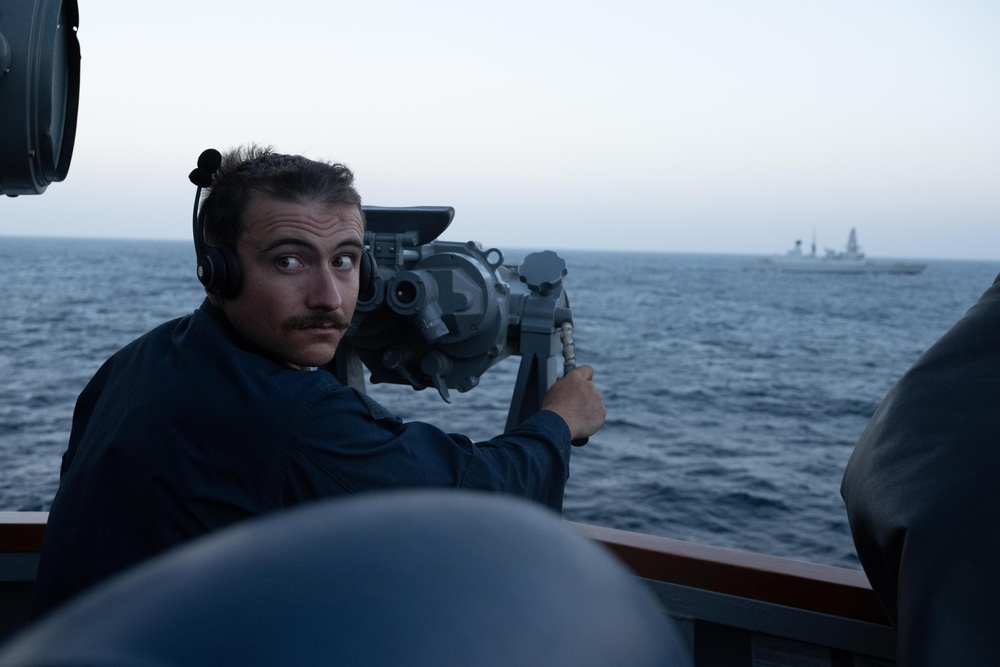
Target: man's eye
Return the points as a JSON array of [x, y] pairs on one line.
[[288, 262], [344, 262]]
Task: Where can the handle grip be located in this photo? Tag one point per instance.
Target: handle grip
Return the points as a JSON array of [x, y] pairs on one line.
[[569, 363]]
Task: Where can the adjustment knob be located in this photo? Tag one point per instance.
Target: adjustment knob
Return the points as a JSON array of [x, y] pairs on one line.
[[542, 271]]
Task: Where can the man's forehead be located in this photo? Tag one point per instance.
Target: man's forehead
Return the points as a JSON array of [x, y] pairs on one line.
[[265, 214]]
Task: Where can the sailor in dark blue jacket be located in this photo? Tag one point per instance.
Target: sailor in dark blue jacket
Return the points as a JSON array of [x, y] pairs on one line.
[[221, 416]]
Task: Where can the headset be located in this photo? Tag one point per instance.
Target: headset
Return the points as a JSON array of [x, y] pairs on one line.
[[219, 267]]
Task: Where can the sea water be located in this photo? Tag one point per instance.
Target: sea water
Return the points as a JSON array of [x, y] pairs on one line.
[[734, 397]]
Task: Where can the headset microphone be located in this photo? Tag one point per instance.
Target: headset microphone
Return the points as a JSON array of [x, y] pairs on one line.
[[208, 163], [218, 266]]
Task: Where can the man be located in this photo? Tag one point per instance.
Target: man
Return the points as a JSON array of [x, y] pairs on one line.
[[922, 497], [218, 416]]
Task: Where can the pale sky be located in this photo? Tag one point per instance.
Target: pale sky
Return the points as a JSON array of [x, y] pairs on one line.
[[718, 126]]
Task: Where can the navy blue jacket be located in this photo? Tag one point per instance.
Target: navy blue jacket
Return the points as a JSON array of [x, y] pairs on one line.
[[185, 430]]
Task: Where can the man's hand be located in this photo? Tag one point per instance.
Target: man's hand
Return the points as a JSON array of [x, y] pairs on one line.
[[575, 398]]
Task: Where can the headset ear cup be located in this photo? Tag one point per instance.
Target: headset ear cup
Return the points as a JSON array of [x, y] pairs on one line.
[[232, 280], [220, 272], [208, 272], [369, 271]]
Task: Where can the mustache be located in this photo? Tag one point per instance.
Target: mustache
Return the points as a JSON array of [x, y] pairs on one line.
[[313, 320]]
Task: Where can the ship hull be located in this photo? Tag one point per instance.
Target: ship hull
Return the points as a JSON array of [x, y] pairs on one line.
[[783, 265]]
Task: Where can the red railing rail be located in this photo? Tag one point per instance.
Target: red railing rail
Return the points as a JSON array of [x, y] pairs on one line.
[[802, 585]]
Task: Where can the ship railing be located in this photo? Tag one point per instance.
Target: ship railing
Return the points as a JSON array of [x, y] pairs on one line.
[[734, 608]]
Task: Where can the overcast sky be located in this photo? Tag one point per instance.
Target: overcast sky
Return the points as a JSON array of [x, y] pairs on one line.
[[715, 126]]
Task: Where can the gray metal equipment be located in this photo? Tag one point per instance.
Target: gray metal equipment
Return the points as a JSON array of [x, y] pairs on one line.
[[39, 92], [442, 313]]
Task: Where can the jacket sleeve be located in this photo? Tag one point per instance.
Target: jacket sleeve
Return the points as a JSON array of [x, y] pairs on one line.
[[345, 442]]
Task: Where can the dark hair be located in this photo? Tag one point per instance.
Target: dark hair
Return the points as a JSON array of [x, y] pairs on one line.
[[250, 170]]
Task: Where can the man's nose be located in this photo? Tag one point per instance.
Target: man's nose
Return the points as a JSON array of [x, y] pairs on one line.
[[325, 289]]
